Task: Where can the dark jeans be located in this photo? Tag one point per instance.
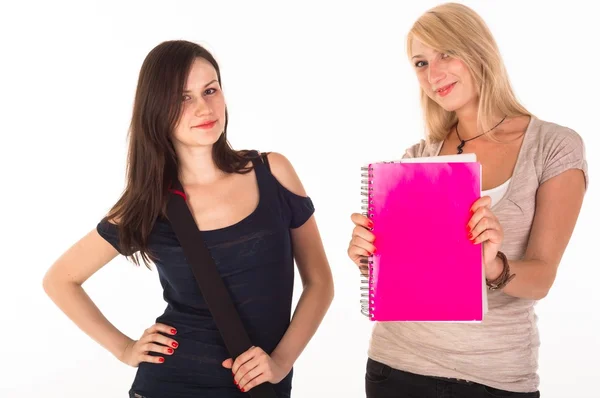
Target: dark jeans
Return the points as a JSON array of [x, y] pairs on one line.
[[226, 394], [381, 381]]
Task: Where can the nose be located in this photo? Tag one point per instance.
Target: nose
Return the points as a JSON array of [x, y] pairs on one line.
[[435, 73], [202, 107]]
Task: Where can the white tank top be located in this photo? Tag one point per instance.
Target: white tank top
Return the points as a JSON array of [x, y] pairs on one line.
[[496, 193]]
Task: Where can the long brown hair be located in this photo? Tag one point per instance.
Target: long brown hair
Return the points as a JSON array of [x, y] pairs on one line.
[[459, 31], [151, 161]]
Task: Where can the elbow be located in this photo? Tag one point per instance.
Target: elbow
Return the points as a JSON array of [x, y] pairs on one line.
[[330, 292], [540, 294], [329, 288], [542, 287], [54, 284], [530, 292], [324, 287], [542, 290], [49, 284], [535, 284]]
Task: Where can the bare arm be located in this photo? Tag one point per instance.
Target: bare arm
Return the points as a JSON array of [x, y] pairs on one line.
[[63, 284], [558, 204], [254, 366], [314, 271]]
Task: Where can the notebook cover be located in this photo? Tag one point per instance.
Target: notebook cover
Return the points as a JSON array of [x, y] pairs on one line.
[[425, 268]]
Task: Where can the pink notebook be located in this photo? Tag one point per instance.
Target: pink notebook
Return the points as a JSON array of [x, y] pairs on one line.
[[425, 268]]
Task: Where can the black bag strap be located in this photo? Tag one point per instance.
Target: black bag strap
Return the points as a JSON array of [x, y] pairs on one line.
[[211, 285], [265, 160]]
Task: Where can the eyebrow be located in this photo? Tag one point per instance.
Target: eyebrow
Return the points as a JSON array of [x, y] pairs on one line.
[[206, 85], [417, 56]]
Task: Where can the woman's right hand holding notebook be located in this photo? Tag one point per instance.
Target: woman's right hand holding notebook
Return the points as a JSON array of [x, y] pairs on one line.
[[361, 244]]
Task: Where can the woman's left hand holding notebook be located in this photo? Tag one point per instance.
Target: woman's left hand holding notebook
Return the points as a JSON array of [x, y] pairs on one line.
[[484, 227]]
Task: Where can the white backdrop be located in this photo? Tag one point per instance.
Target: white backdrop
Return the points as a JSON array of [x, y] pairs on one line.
[[328, 85]]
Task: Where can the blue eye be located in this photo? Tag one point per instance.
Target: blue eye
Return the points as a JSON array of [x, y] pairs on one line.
[[419, 64]]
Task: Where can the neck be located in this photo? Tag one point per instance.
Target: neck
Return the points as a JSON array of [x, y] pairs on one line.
[[468, 125], [467, 121], [196, 166]]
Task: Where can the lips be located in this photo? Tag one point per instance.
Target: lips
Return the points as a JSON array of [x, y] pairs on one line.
[[445, 90], [206, 125]]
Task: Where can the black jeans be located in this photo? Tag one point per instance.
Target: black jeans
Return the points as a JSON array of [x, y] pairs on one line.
[[381, 381]]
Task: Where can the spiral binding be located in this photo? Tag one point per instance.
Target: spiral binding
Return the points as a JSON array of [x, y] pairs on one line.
[[367, 305]]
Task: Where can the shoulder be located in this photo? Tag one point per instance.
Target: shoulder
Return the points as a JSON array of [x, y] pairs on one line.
[[555, 141], [559, 148], [108, 229], [552, 134], [108, 224], [284, 173]]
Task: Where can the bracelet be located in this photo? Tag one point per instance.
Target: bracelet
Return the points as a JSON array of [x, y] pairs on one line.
[[504, 277]]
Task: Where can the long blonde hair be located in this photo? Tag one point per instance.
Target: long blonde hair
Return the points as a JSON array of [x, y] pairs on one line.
[[459, 31]]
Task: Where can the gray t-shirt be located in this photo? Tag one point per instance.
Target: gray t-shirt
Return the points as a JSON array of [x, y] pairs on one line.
[[502, 351]]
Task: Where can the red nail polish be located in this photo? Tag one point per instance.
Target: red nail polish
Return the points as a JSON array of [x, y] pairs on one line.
[[173, 331], [174, 344], [161, 359], [243, 390], [170, 350], [470, 236]]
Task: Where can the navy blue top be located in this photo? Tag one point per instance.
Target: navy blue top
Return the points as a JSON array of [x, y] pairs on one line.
[[255, 260]]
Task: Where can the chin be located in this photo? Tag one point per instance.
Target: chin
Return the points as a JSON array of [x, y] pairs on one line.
[[450, 106], [206, 139]]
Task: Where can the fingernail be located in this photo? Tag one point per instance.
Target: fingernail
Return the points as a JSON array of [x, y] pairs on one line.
[[370, 224], [470, 236], [243, 390], [173, 331], [170, 350], [174, 344], [468, 228], [161, 359]]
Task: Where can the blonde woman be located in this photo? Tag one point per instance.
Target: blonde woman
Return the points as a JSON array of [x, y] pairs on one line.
[[534, 181]]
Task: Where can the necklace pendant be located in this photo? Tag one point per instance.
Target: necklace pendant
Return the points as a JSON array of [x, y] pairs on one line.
[[460, 147]]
